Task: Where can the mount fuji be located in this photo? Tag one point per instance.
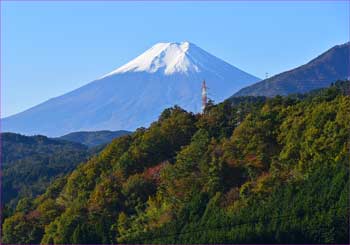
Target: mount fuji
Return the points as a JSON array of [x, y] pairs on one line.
[[136, 93]]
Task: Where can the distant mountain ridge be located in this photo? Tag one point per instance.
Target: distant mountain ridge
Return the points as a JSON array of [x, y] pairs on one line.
[[135, 94], [16, 147], [94, 138], [320, 72]]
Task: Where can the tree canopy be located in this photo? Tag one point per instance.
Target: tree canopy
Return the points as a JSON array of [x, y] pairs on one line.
[[263, 170]]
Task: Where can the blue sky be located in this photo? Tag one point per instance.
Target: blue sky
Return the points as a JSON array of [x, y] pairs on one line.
[[49, 48]]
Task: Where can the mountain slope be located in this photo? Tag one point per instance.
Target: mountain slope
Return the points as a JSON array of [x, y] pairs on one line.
[[135, 94], [94, 138], [318, 73], [31, 163]]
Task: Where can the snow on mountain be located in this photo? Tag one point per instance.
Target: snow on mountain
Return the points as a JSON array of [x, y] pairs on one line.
[[136, 93], [168, 57]]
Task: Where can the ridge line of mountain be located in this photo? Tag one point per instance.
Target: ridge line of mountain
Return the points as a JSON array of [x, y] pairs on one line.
[[319, 72]]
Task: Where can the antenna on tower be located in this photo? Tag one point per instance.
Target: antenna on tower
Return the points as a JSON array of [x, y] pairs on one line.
[[204, 95]]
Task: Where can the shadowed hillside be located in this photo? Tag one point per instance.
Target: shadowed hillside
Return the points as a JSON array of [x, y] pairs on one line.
[[31, 163]]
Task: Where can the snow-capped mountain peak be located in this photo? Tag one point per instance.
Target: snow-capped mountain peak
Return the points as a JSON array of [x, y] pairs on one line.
[[167, 58], [135, 94]]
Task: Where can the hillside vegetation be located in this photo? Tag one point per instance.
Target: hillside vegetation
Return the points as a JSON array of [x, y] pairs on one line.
[[30, 163], [249, 170]]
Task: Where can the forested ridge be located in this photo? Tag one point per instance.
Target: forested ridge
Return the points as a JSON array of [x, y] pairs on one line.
[[248, 170], [30, 163]]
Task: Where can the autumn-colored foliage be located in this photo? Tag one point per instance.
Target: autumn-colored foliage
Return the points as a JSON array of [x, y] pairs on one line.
[[263, 170]]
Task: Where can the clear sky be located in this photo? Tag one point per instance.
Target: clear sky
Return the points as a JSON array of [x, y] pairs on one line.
[[49, 48]]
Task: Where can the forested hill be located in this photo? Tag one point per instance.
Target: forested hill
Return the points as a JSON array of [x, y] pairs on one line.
[[30, 163], [248, 171], [17, 146]]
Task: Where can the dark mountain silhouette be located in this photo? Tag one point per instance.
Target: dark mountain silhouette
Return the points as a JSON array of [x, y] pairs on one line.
[[318, 73], [94, 138]]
